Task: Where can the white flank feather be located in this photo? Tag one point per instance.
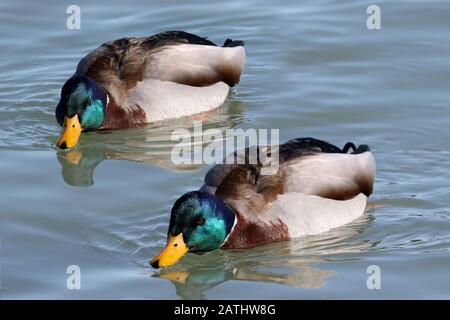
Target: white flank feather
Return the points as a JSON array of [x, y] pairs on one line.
[[164, 99], [309, 214]]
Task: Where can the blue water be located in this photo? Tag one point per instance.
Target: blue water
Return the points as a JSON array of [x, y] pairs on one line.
[[313, 69]]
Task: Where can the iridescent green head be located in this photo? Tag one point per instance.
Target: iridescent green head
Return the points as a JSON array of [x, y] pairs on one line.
[[199, 222], [82, 107]]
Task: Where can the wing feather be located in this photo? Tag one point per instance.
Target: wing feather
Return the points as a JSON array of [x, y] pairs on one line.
[[307, 165]]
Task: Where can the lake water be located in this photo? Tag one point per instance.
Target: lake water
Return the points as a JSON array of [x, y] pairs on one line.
[[313, 69]]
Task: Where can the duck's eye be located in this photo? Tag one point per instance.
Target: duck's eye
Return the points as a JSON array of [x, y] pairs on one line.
[[86, 103], [200, 220]]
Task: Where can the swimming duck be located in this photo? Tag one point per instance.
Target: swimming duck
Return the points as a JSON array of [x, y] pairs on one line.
[[317, 187], [133, 81]]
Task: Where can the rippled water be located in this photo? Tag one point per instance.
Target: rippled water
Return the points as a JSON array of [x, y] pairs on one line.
[[313, 69]]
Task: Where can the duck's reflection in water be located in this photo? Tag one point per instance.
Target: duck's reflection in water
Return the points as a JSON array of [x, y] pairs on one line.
[[293, 263], [150, 145]]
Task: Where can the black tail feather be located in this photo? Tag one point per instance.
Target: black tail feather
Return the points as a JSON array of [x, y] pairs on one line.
[[350, 145], [233, 43], [361, 149], [347, 147]]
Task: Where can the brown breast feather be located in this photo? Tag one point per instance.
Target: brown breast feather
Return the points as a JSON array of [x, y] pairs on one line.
[[120, 118], [250, 196]]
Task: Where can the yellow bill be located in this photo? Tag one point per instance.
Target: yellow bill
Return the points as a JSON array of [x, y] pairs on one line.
[[174, 250], [70, 134]]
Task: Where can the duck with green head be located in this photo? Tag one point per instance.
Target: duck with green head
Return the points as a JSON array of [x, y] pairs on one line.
[[317, 187], [134, 81], [200, 222], [82, 107]]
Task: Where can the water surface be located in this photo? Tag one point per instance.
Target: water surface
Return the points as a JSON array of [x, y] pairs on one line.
[[313, 69]]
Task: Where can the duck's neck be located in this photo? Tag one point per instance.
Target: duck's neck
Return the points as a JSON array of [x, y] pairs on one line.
[[107, 102], [222, 210], [230, 219]]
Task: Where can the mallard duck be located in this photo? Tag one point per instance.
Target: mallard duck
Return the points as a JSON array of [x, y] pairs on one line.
[[317, 187], [133, 81]]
